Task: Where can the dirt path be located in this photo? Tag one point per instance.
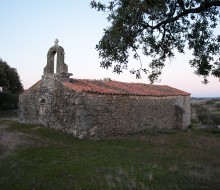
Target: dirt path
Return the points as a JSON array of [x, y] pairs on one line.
[[10, 139]]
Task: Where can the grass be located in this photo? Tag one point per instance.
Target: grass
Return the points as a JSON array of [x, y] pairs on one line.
[[154, 159]]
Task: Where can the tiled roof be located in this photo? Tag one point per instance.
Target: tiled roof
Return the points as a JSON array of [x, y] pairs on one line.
[[36, 85], [122, 88]]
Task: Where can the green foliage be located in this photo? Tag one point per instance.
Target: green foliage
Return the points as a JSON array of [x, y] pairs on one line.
[[158, 28], [205, 116], [216, 118], [8, 114], [209, 102], [53, 160], [10, 87], [8, 101], [9, 78], [217, 105]]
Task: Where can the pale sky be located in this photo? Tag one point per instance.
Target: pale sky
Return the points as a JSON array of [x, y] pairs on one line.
[[28, 29]]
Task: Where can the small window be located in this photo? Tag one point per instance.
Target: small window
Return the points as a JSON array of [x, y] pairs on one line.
[[42, 101], [42, 108]]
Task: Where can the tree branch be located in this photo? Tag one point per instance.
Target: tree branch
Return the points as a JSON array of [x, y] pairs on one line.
[[203, 6]]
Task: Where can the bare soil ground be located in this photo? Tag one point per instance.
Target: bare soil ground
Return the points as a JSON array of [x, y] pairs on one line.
[[9, 140]]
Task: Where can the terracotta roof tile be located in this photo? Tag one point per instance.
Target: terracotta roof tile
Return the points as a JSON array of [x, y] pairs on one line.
[[122, 88]]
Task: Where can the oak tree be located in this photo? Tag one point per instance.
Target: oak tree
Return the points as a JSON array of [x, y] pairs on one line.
[[158, 29], [10, 86]]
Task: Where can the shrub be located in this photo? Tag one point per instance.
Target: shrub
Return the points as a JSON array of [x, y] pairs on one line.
[[212, 101], [8, 101], [205, 116], [216, 118], [217, 105]]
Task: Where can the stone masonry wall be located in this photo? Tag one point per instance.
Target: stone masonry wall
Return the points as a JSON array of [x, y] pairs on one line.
[[104, 115], [91, 115]]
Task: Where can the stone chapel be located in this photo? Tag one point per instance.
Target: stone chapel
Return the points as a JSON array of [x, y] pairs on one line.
[[96, 108]]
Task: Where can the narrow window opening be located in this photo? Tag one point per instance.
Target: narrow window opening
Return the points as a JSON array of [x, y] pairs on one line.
[[55, 62], [42, 101], [42, 108]]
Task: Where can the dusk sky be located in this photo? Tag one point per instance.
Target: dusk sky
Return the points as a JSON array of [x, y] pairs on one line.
[[29, 28]]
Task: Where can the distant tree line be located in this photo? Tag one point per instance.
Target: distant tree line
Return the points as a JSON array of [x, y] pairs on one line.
[[10, 87]]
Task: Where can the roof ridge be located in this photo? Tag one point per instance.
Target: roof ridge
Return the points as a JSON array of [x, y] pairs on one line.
[[123, 88]]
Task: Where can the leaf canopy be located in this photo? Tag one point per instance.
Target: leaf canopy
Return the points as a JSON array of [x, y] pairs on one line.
[[158, 28], [9, 78]]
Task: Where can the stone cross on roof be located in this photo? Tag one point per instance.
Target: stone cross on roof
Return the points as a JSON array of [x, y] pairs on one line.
[[56, 42]]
